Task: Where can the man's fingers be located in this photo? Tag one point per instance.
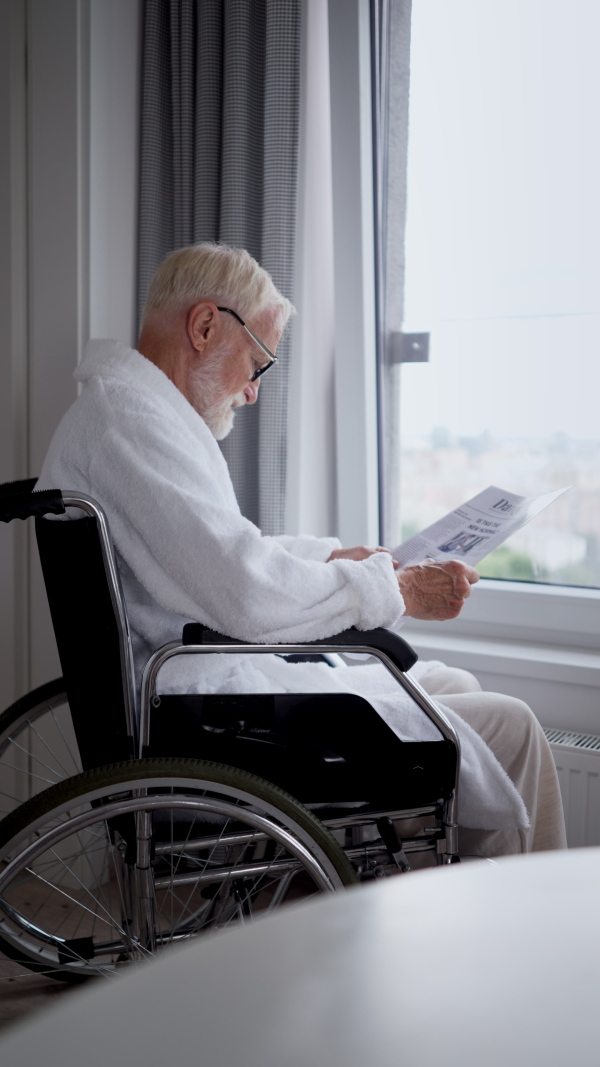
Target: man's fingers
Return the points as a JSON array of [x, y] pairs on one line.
[[462, 575], [473, 576], [467, 578], [458, 568], [462, 586], [436, 590]]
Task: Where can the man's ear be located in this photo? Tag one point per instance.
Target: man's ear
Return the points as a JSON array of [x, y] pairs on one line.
[[202, 324]]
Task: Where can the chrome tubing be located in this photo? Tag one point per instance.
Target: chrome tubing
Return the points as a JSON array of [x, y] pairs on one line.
[[372, 817], [246, 870], [414, 690], [174, 648], [199, 843], [123, 807]]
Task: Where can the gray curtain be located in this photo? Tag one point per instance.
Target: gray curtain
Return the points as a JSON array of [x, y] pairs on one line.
[[219, 160]]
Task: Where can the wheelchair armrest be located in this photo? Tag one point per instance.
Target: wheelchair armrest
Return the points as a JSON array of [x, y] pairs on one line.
[[401, 654]]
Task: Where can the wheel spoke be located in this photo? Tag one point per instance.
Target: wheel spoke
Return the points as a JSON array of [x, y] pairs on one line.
[[75, 760], [223, 856]]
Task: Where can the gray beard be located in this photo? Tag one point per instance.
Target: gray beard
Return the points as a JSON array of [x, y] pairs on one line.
[[212, 403], [220, 420]]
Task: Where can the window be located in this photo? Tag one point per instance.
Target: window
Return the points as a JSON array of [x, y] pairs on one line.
[[502, 246]]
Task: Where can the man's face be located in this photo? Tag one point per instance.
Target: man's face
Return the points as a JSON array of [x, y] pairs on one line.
[[222, 382]]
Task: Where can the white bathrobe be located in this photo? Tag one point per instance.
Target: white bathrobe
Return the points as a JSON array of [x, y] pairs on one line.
[[133, 442]]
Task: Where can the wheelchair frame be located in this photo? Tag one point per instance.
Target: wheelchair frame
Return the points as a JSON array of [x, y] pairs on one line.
[[418, 694], [383, 645]]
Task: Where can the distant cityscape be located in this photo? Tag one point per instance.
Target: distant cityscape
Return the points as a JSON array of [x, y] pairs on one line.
[[561, 545]]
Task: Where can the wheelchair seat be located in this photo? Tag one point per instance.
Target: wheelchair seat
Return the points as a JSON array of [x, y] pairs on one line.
[[322, 748]]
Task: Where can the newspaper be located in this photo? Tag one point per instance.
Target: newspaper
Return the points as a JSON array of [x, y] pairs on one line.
[[475, 528]]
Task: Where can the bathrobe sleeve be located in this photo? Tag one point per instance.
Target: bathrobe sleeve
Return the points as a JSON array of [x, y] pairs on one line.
[[175, 525], [306, 547]]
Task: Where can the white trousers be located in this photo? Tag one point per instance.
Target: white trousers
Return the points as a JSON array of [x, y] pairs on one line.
[[518, 742]]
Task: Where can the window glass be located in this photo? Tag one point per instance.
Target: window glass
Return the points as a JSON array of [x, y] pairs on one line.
[[502, 268]]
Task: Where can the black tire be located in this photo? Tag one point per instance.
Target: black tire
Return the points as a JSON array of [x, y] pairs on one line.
[[28, 708], [37, 744], [191, 781]]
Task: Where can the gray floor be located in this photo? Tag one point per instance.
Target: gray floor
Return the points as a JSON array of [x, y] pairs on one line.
[[23, 994]]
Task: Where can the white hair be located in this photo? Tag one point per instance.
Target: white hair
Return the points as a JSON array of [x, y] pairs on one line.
[[227, 276]]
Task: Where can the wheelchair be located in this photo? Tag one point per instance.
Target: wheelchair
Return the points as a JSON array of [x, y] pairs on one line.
[[133, 824]]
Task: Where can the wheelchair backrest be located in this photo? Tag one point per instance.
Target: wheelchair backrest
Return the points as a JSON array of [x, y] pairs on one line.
[[88, 636], [88, 614]]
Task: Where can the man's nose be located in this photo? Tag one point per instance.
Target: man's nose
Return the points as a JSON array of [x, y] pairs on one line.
[[251, 391]]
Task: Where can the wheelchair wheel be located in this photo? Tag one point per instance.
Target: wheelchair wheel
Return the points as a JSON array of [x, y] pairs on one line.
[[120, 862], [37, 745]]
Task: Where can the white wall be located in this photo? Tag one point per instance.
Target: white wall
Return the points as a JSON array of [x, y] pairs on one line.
[[57, 239], [114, 135], [68, 178], [13, 344], [42, 197]]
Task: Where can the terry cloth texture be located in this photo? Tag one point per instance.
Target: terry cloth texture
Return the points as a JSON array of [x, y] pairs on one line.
[[133, 442]]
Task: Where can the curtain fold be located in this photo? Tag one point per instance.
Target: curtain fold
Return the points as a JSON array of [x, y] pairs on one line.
[[219, 162]]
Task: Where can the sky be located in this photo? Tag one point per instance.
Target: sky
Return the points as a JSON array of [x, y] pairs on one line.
[[503, 224]]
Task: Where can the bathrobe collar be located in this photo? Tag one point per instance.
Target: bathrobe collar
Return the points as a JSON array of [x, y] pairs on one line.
[[113, 359]]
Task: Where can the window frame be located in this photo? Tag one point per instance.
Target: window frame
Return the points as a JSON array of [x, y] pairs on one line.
[[546, 626], [357, 468]]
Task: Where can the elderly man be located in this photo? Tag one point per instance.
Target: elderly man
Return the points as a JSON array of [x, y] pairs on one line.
[[142, 439]]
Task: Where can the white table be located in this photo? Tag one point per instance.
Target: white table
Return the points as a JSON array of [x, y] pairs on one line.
[[473, 965]]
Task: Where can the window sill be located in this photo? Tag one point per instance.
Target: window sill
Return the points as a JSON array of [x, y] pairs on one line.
[[538, 643], [552, 663]]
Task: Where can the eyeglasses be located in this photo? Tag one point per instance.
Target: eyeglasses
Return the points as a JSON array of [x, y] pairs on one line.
[[267, 351]]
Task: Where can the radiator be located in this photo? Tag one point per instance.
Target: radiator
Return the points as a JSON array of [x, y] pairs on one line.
[[577, 758]]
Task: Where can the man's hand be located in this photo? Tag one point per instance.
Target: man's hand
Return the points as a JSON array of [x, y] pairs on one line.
[[436, 591], [358, 553]]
